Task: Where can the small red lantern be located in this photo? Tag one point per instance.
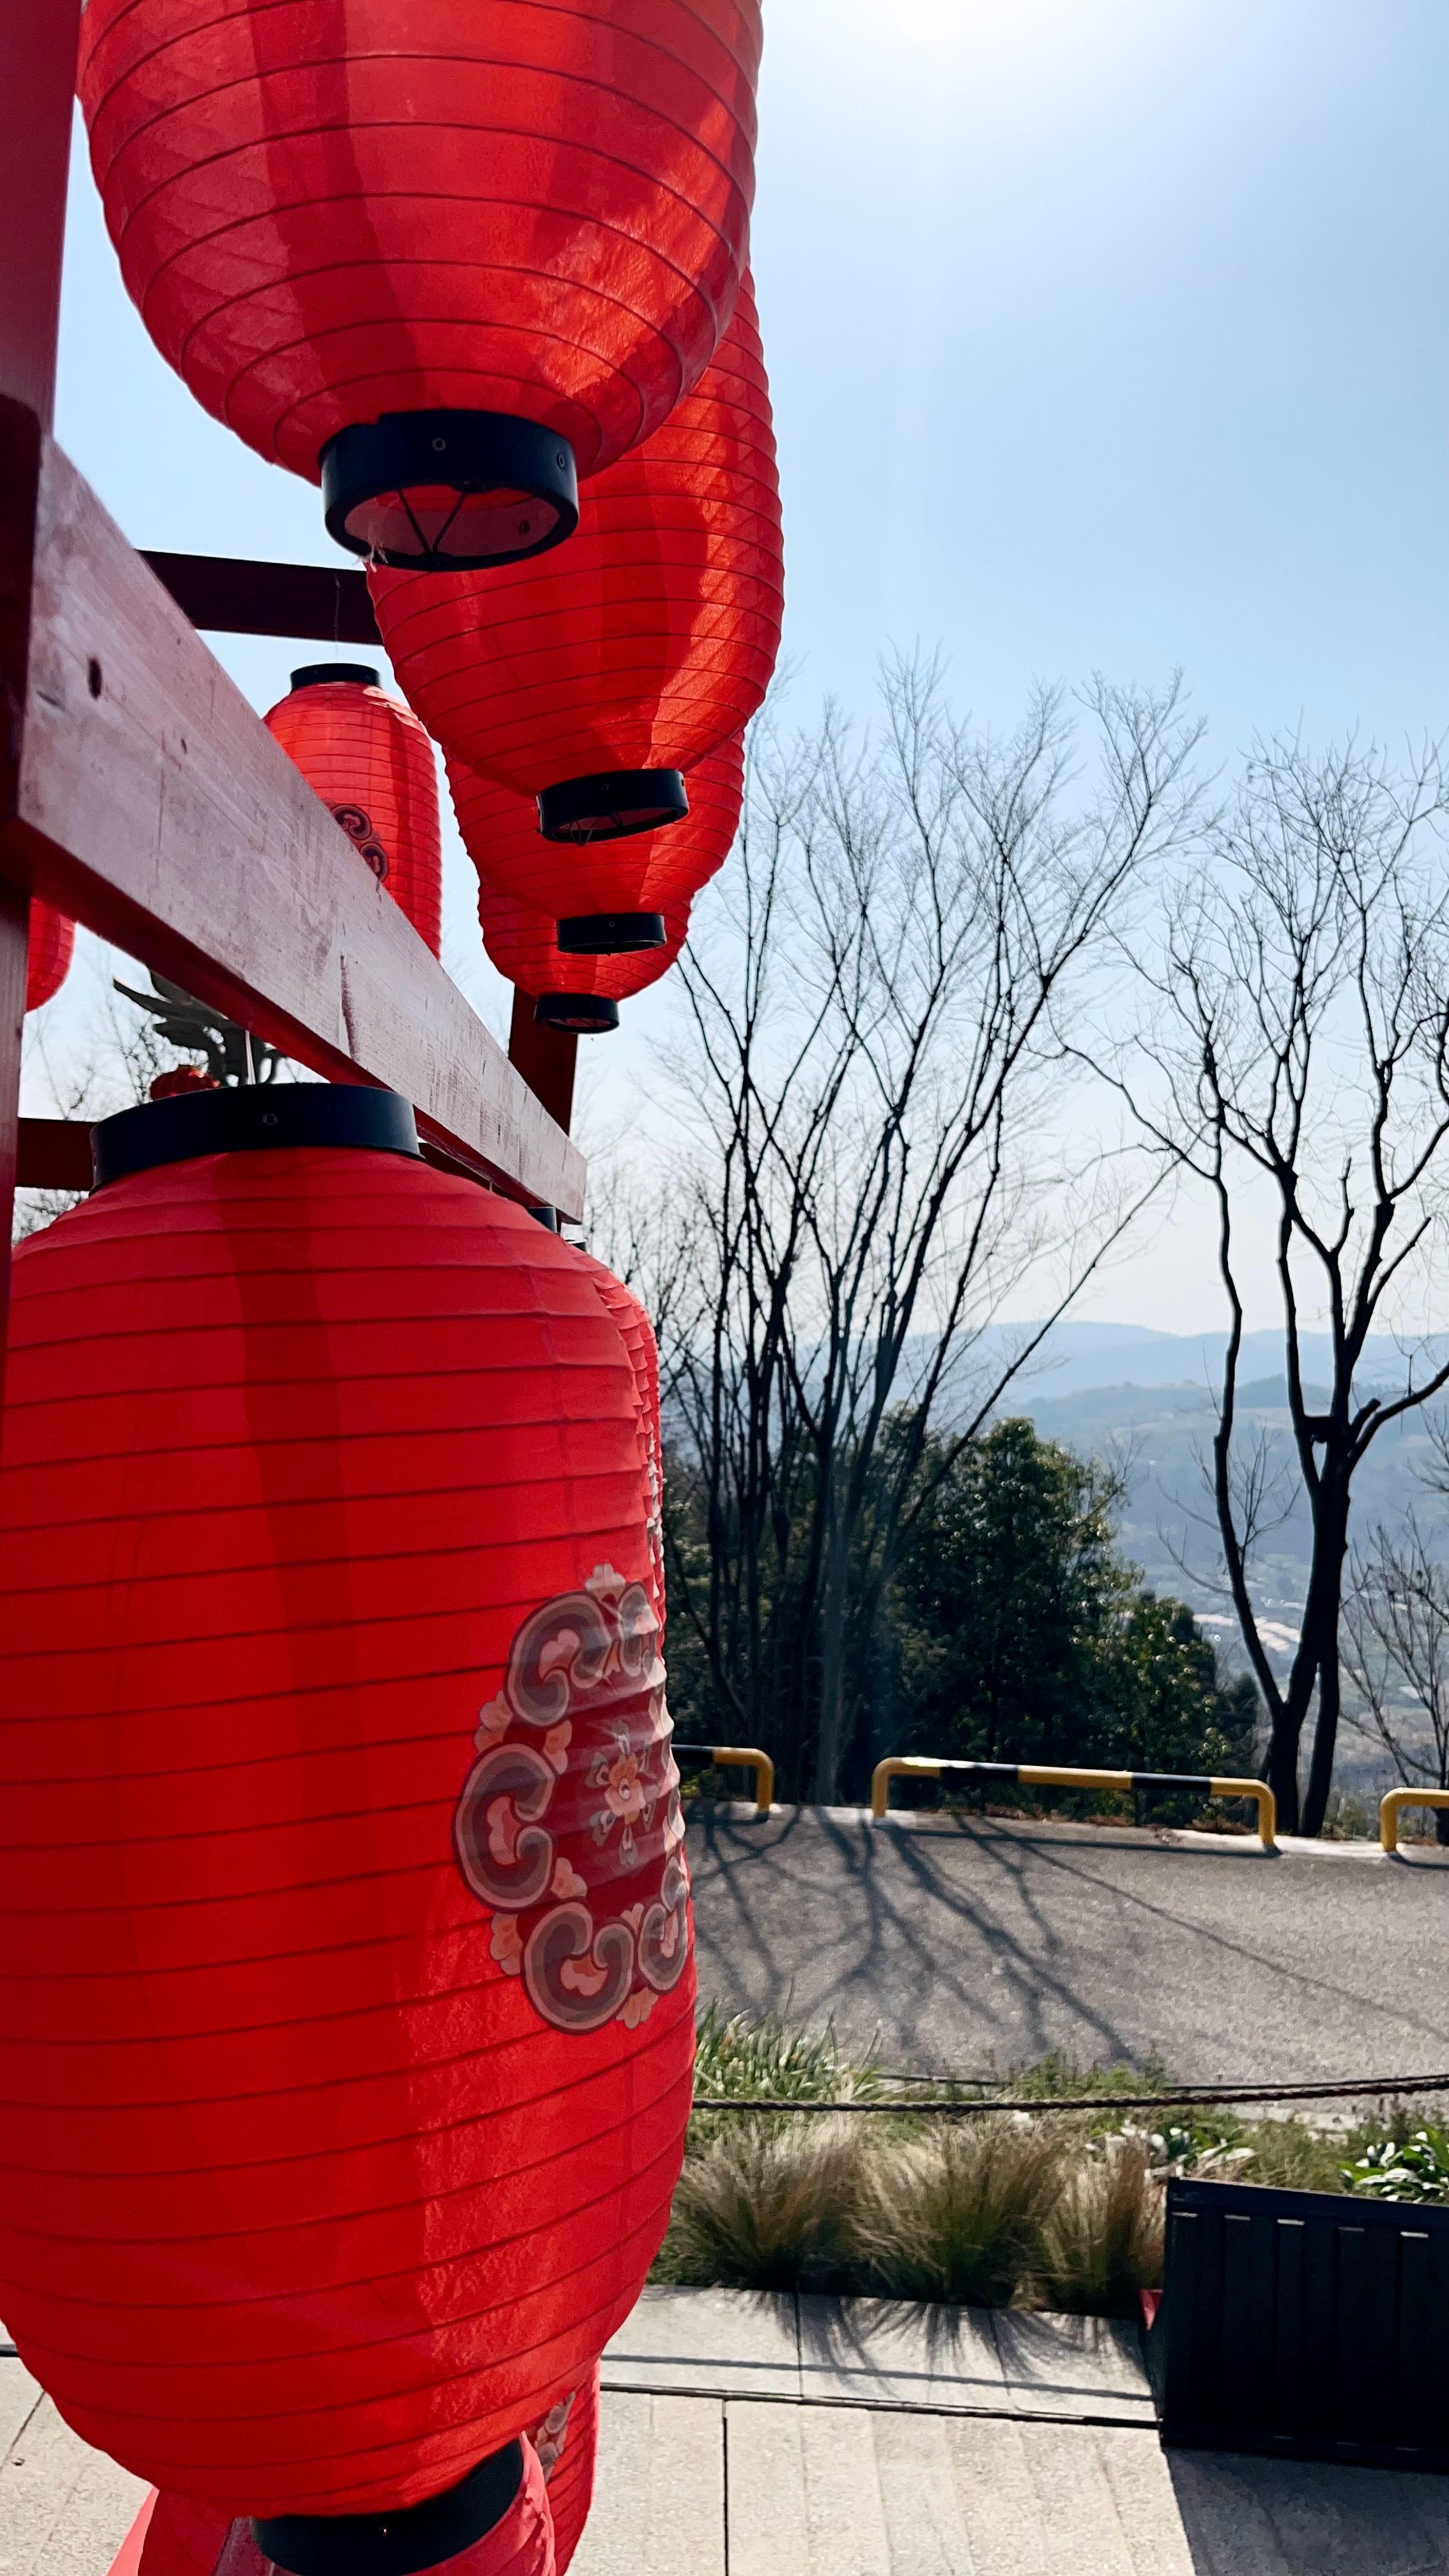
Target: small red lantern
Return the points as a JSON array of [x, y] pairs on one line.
[[344, 1932], [596, 681], [372, 764], [640, 880], [567, 2443], [47, 961], [438, 258], [579, 993]]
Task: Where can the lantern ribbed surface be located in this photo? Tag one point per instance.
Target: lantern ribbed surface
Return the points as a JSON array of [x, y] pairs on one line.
[[372, 764], [346, 2005], [47, 961], [328, 211], [567, 2443], [649, 872], [648, 640]]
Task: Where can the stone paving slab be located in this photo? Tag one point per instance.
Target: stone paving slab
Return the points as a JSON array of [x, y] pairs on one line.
[[729, 2342], [1057, 2365], [898, 2354], [64, 2508]]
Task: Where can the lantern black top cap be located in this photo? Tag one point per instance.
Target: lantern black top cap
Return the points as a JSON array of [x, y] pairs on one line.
[[400, 2542], [253, 1119], [612, 804], [315, 675], [448, 491]]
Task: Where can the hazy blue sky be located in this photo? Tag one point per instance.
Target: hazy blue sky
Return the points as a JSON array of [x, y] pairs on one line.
[[1103, 333]]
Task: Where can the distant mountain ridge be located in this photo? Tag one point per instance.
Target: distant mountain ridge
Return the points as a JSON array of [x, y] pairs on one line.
[[1076, 1357]]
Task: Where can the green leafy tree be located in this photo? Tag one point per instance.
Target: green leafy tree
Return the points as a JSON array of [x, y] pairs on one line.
[[1021, 1634]]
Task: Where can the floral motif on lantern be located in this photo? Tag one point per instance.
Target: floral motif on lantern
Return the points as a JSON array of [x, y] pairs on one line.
[[549, 2437], [569, 1825]]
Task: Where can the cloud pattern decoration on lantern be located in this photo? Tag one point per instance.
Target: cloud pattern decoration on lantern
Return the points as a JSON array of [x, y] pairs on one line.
[[596, 680], [567, 2442], [442, 259], [371, 763], [308, 2200]]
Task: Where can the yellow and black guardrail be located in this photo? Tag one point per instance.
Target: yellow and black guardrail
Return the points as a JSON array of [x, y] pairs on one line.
[[737, 1757], [1050, 1775], [1392, 1807]]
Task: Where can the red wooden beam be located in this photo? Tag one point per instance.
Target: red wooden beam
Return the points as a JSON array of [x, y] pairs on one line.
[[152, 804], [55, 1154], [230, 595]]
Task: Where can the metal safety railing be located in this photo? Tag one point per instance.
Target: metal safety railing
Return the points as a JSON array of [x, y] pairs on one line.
[[1051, 1775], [737, 1757], [1392, 1806]]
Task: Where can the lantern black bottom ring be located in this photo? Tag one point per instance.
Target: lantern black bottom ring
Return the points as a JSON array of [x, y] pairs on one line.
[[448, 491], [612, 804], [401, 2543], [608, 934], [586, 1015]]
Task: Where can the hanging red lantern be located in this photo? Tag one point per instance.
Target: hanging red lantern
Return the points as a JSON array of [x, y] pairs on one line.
[[580, 993], [595, 682], [440, 259], [640, 880], [187, 2539], [372, 764], [344, 1933], [47, 960], [567, 2443]]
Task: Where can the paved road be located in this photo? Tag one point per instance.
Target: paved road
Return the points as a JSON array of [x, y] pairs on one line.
[[975, 1947]]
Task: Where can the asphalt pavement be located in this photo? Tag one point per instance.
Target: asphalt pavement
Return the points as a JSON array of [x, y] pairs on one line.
[[972, 1947]]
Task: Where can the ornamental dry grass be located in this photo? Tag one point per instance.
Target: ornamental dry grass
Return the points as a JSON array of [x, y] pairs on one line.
[[957, 2213]]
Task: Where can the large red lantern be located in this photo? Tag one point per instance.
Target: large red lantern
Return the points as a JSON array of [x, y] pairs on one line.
[[439, 258], [345, 1991], [567, 2443], [187, 2539], [47, 959], [372, 764], [595, 681], [640, 880]]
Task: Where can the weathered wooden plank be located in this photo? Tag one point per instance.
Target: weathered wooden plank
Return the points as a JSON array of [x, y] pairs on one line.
[[153, 805]]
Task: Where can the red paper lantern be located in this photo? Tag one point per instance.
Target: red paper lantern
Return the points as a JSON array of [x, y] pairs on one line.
[[595, 681], [569, 992], [372, 764], [434, 257], [47, 960], [567, 2443], [187, 2539], [640, 880], [345, 1992]]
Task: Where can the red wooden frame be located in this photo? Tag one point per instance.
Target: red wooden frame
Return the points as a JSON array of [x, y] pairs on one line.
[[125, 752]]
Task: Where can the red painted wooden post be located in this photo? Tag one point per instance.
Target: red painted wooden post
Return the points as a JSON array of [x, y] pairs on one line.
[[545, 1057], [37, 83]]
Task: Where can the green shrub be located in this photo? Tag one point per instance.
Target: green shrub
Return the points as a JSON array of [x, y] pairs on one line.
[[1415, 2168]]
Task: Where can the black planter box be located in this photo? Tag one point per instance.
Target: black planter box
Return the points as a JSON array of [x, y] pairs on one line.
[[1303, 2323]]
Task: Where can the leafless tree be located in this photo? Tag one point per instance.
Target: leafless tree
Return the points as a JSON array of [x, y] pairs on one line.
[[1297, 1063], [867, 1160], [1396, 1654]]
